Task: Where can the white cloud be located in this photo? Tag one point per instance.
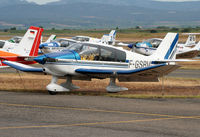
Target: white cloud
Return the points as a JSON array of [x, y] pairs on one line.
[[42, 1], [176, 0]]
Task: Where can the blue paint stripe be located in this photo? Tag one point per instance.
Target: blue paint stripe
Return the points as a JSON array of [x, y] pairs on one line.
[[171, 47]]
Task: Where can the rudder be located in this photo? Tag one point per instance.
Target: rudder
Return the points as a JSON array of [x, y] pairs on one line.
[[167, 48], [30, 42]]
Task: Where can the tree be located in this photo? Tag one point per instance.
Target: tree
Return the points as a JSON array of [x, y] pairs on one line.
[[186, 30], [153, 31], [13, 28]]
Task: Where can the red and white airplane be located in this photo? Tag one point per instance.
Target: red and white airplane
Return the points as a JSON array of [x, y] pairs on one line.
[[21, 52]]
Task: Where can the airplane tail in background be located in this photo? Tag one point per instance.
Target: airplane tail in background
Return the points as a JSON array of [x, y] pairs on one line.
[[51, 38], [191, 40], [109, 38], [29, 44], [167, 48]]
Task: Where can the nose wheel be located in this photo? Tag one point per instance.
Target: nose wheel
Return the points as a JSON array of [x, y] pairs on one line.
[[53, 88]]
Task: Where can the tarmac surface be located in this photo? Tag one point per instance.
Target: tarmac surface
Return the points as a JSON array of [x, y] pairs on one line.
[[39, 114]]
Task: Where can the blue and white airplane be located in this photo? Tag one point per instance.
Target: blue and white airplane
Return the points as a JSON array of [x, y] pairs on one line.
[[62, 43], [86, 61], [190, 49]]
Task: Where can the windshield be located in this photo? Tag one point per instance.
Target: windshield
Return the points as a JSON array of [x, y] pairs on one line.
[[76, 47], [154, 42], [81, 38], [2, 43]]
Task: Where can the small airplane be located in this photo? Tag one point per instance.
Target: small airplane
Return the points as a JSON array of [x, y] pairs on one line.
[[86, 61], [106, 38], [185, 50], [56, 45], [15, 39], [22, 51], [62, 43], [191, 40]]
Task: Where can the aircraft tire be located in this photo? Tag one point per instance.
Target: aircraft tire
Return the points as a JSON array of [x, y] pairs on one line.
[[52, 92]]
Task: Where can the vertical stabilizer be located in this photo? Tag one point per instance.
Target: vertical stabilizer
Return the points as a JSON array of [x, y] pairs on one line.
[[29, 44], [167, 48], [109, 38], [51, 38], [191, 40]]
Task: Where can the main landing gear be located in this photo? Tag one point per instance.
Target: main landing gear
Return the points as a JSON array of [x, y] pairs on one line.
[[113, 88], [53, 88]]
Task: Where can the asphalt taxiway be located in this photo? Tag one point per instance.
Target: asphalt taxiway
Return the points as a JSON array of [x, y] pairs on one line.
[[39, 114]]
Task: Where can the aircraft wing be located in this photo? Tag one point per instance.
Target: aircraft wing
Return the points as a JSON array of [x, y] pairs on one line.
[[22, 67], [151, 73]]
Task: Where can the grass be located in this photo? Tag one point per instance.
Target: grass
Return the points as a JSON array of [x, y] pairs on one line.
[[173, 87]]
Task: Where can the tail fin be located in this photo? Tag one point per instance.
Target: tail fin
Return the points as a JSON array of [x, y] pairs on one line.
[[191, 40], [167, 48], [109, 38], [29, 44], [51, 38]]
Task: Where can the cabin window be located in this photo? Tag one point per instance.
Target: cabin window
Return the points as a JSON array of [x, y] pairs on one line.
[[107, 54], [89, 52], [76, 47], [120, 56], [111, 54], [64, 44], [2, 43]]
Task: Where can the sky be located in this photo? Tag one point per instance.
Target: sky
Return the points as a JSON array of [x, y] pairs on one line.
[[42, 1], [176, 0], [46, 1]]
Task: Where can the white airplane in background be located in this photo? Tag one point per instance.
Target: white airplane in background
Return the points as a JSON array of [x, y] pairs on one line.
[[15, 39], [190, 49], [85, 61], [191, 40], [26, 48], [62, 43], [56, 45], [106, 38]]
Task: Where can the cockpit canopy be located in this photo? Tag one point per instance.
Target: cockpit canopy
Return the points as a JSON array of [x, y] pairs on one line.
[[155, 42], [15, 39], [98, 52], [2, 43], [81, 38], [65, 42]]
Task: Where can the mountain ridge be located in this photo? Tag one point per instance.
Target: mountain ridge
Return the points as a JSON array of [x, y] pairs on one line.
[[78, 15]]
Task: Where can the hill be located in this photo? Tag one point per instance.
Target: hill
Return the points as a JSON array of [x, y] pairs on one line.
[[80, 14]]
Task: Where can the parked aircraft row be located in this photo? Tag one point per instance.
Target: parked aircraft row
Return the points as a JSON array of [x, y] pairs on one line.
[[88, 60], [62, 43], [190, 49]]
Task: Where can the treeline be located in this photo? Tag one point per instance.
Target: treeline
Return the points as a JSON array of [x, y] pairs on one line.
[[159, 29]]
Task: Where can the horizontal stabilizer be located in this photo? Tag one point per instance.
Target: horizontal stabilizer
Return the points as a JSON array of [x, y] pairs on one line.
[[22, 67]]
